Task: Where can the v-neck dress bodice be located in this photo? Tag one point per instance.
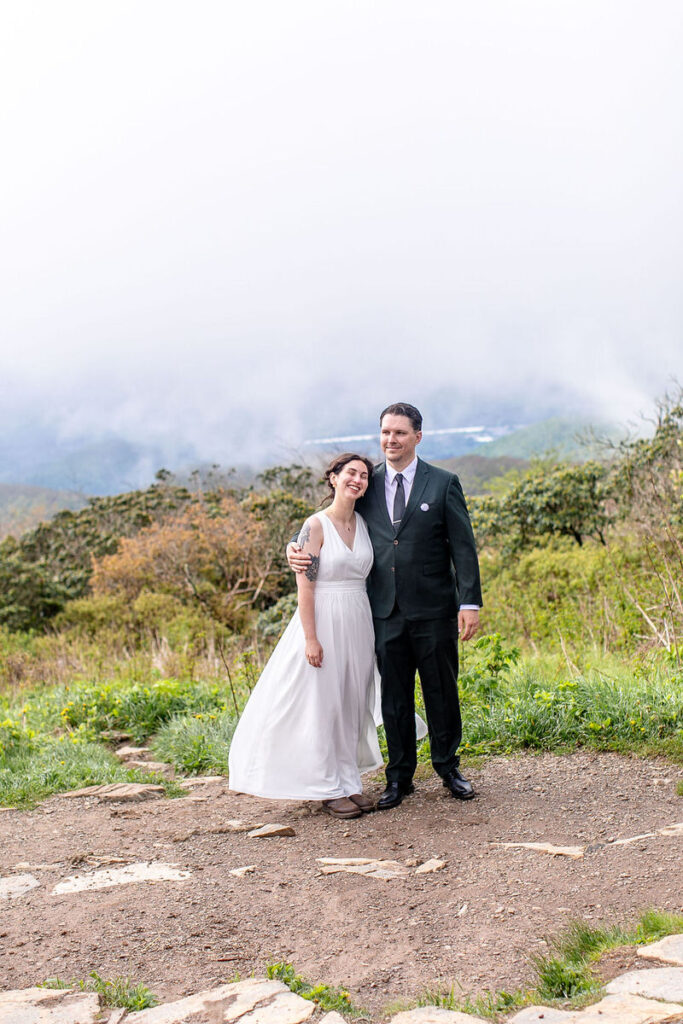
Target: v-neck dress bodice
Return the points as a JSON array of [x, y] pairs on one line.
[[308, 733]]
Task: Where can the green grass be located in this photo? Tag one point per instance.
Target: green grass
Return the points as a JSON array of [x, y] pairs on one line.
[[679, 787], [56, 765], [196, 744], [510, 704], [566, 974], [119, 992], [326, 997]]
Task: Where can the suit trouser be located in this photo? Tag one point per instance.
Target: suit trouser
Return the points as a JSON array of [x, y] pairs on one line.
[[430, 647]]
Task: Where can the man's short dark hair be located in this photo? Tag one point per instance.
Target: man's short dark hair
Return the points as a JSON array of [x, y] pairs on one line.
[[404, 409]]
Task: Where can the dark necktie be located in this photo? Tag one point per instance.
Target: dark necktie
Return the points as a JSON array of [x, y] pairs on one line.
[[399, 501]]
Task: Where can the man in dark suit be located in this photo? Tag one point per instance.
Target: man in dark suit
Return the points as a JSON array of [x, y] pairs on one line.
[[424, 589]]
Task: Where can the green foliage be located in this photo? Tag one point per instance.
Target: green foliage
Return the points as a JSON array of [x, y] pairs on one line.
[[197, 744], [118, 992], [138, 709], [560, 595], [549, 500], [534, 708], [485, 663], [325, 996], [53, 563], [272, 622]]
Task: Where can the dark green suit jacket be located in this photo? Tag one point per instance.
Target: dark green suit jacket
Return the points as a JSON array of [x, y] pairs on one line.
[[430, 566]]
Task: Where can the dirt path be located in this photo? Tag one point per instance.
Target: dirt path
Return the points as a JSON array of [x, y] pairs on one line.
[[474, 923]]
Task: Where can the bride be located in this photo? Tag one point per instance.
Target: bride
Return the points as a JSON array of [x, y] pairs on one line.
[[308, 730]]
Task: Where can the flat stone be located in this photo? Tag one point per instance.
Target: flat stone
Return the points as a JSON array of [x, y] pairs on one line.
[[125, 753], [653, 982], [435, 1015], [626, 1010], [248, 869], [575, 852], [201, 780], [385, 869], [543, 1015], [668, 950], [430, 866], [332, 1018], [115, 791], [269, 831], [160, 767], [669, 830], [49, 1006], [265, 1002], [17, 885], [143, 871]]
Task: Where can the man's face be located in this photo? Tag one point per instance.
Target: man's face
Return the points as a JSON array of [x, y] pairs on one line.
[[398, 439]]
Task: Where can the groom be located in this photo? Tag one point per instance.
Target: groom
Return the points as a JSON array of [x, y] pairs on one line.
[[424, 589]]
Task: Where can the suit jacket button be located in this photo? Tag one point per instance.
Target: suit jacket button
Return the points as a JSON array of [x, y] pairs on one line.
[[392, 569], [395, 543]]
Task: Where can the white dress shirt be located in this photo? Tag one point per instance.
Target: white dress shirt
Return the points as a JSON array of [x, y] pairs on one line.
[[390, 495]]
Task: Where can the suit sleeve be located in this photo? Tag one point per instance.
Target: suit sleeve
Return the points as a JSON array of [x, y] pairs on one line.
[[462, 546]]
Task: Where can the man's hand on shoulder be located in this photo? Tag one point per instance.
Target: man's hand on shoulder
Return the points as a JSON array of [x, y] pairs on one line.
[[468, 623], [297, 559]]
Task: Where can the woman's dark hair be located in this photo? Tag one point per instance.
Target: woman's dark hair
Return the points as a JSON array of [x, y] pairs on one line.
[[403, 409], [336, 466]]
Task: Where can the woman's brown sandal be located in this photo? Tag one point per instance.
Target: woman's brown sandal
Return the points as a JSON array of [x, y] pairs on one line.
[[364, 802], [343, 807]]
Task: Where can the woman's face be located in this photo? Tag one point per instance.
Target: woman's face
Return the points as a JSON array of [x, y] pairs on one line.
[[352, 479]]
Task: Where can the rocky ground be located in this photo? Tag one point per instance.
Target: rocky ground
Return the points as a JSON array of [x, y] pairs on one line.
[[473, 921]]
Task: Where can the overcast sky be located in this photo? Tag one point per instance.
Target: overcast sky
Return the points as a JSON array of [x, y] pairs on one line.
[[288, 214]]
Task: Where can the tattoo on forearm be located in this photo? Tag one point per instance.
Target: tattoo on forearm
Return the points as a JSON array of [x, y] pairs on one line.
[[312, 572], [305, 533]]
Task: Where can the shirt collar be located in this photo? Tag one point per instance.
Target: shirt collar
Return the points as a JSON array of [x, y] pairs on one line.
[[408, 472]]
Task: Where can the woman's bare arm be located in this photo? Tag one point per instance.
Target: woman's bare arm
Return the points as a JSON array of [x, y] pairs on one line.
[[310, 541]]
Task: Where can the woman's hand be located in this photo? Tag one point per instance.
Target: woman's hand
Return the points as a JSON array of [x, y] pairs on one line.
[[314, 653]]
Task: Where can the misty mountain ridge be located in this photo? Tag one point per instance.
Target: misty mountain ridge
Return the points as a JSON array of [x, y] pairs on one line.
[[113, 464]]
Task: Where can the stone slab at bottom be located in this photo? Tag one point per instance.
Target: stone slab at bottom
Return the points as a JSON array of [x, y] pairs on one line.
[[626, 1010], [543, 1015], [668, 950], [435, 1015], [49, 1006], [332, 1018], [266, 1002], [654, 982]]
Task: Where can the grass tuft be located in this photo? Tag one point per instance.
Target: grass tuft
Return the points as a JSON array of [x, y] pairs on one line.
[[196, 744], [119, 992], [327, 997]]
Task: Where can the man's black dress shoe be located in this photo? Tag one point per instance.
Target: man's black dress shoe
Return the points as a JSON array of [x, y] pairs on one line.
[[393, 795], [457, 785]]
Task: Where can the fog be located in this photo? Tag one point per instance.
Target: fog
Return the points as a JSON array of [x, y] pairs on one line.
[[230, 227]]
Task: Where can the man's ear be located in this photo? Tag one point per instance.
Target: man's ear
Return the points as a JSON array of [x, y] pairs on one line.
[[419, 436]]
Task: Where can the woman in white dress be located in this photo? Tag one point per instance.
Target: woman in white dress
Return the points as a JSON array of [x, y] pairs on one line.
[[308, 730]]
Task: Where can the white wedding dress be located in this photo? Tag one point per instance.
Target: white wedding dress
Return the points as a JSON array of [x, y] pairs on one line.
[[308, 733]]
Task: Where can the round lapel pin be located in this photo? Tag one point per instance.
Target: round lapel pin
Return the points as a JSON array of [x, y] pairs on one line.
[[424, 506]]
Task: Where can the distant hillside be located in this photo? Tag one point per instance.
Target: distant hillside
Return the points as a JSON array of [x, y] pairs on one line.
[[22, 507], [562, 438], [476, 471]]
